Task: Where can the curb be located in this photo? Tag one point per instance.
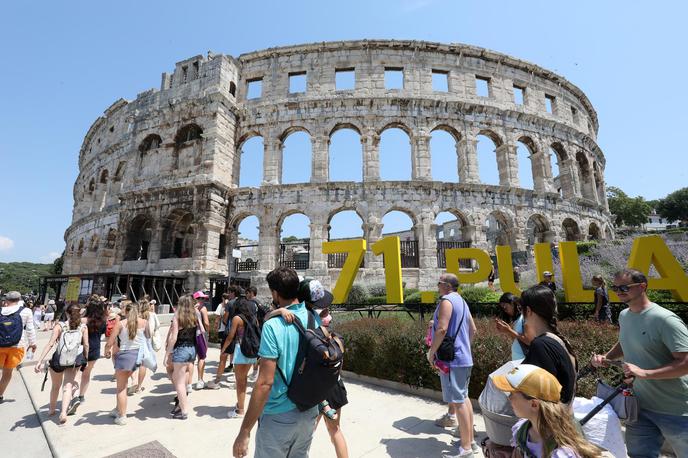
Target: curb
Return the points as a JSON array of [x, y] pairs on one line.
[[51, 447]]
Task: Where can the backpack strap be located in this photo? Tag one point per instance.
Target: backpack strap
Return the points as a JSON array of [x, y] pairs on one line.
[[522, 440], [301, 354]]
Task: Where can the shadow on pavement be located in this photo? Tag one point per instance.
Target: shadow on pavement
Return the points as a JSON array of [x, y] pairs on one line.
[[28, 421], [101, 417], [219, 412], [411, 447], [415, 425], [103, 378], [154, 407]]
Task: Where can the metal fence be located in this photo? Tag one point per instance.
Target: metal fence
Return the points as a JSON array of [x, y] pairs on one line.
[[409, 253], [295, 255], [443, 245]]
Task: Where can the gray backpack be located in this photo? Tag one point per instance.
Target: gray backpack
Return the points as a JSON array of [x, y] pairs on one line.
[[69, 346]]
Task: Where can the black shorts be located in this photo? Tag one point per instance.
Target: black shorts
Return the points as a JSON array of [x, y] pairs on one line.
[[54, 363], [338, 396], [230, 348]]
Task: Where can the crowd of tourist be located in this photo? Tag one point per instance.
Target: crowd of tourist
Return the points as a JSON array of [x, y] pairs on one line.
[[264, 343]]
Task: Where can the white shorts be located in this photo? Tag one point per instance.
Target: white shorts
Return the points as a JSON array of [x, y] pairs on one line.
[[49, 317]]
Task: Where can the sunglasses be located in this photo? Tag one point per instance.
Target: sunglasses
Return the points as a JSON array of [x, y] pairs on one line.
[[623, 288], [509, 394]]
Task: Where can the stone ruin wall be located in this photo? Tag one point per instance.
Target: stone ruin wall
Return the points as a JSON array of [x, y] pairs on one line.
[[167, 164]]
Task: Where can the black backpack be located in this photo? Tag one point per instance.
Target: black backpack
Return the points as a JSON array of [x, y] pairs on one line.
[[11, 329], [250, 342], [318, 365]]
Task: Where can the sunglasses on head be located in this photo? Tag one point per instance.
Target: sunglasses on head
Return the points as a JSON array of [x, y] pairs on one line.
[[623, 288]]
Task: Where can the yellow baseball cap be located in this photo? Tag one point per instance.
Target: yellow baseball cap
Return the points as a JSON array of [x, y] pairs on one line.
[[530, 380]]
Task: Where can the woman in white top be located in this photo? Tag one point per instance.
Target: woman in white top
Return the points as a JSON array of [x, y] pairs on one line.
[[132, 332], [146, 312], [66, 374]]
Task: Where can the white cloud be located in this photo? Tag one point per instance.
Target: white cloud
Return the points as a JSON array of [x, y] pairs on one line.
[[50, 257], [6, 243]]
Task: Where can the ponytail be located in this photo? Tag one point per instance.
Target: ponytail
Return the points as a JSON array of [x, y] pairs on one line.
[[132, 316], [74, 316], [555, 330]]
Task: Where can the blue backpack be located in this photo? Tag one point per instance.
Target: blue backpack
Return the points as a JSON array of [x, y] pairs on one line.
[[11, 328]]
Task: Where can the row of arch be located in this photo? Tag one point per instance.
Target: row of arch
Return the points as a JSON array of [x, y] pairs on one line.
[[346, 152]]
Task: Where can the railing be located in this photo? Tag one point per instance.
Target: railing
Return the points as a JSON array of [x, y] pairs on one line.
[[295, 255], [248, 264], [337, 260], [409, 253], [445, 245]]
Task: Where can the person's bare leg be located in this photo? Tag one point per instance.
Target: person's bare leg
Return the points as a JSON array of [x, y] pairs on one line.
[[86, 378], [241, 372], [122, 379], [221, 367], [55, 385], [337, 436], [67, 392], [464, 415], [179, 378], [201, 369], [5, 380], [142, 376]]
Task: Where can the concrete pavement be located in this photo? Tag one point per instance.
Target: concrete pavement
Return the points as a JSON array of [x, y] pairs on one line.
[[378, 422]]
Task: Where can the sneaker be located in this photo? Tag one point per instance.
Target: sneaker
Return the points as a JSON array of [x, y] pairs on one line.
[[121, 421], [234, 413], [462, 454], [474, 445], [82, 399], [213, 386], [189, 388], [131, 390], [253, 376], [73, 405], [200, 385], [114, 413], [446, 421], [179, 415], [229, 368]]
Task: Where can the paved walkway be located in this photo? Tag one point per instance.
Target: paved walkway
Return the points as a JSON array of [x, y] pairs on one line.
[[377, 422]]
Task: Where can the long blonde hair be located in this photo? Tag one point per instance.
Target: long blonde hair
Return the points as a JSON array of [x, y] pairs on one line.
[[555, 424], [132, 316], [144, 308], [186, 313]]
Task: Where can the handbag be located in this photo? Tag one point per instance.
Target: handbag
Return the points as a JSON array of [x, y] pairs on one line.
[[155, 335], [446, 351], [146, 356], [201, 343], [625, 404]]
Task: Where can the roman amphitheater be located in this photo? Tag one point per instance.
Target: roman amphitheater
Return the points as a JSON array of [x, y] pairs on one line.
[[159, 199]]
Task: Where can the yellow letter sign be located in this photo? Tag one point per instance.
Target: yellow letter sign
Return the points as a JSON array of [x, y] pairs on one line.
[[356, 250], [652, 250], [391, 248], [453, 255]]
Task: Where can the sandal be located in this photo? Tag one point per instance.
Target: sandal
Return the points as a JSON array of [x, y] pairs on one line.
[[180, 415], [234, 413]]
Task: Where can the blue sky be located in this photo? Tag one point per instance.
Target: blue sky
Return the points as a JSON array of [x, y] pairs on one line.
[[64, 63]]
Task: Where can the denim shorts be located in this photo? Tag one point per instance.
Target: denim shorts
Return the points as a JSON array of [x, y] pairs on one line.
[[646, 436], [286, 434], [455, 384], [185, 354]]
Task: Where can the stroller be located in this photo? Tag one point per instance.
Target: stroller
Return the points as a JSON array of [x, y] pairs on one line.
[[604, 431]]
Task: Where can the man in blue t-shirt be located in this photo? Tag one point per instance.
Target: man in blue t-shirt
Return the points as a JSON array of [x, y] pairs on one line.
[[283, 430]]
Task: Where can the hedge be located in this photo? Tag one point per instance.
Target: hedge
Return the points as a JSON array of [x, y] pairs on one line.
[[393, 349]]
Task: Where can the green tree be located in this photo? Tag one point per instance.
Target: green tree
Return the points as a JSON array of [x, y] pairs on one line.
[[674, 207], [57, 265], [629, 211], [291, 238]]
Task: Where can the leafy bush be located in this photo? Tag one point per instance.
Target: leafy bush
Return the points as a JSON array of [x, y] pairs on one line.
[[393, 349], [478, 294], [413, 298], [586, 248], [212, 332], [660, 295], [376, 300], [377, 290], [358, 294]]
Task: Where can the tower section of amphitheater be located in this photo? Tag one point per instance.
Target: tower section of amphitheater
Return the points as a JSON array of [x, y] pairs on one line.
[[159, 190]]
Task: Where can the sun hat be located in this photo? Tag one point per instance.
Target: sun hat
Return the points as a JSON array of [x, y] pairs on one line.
[[546, 273], [200, 294], [13, 296], [51, 302], [530, 380]]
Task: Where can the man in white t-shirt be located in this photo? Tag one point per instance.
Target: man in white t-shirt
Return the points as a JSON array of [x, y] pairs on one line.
[[12, 355]]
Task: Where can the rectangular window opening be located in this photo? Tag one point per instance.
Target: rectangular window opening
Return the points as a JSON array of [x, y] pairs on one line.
[[297, 82], [482, 86], [574, 115], [185, 74], [549, 103], [394, 78], [440, 81], [345, 79], [519, 95], [222, 248], [254, 88]]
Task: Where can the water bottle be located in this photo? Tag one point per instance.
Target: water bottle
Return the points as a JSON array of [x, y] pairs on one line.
[[29, 355]]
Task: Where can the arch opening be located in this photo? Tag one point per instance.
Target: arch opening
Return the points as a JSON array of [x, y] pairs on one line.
[[486, 147], [296, 158], [343, 225], [345, 155], [571, 230], [525, 149], [443, 156], [395, 155], [138, 239], [451, 232], [400, 224], [178, 235], [294, 249], [250, 163], [246, 234]]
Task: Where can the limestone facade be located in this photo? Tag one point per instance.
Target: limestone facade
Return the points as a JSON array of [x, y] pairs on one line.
[[158, 187]]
